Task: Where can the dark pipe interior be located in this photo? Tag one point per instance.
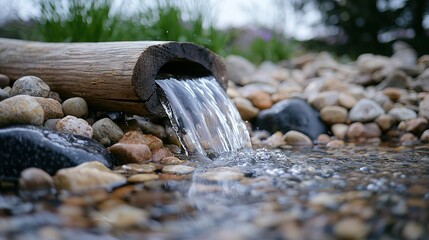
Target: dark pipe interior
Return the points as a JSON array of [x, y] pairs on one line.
[[182, 69]]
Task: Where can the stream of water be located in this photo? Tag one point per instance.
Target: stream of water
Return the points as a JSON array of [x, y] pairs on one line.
[[204, 118]]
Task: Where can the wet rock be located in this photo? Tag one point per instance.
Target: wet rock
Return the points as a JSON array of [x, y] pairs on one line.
[[261, 100], [85, 177], [26, 147], [365, 110], [385, 121], [3, 95], [394, 94], [161, 153], [351, 228], [339, 130], [333, 114], [355, 131], [421, 83], [131, 153], [346, 100], [245, 108], [415, 126], [106, 128], [371, 130], [425, 136], [32, 179], [412, 230], [170, 161], [134, 168], [51, 123], [424, 108], [409, 139], [4, 81], [140, 178], [402, 113], [74, 125], [221, 174], [275, 140], [335, 144], [396, 79], [296, 138], [177, 169], [291, 114], [52, 108], [121, 217], [30, 85], [323, 99], [21, 109], [75, 106], [238, 68], [135, 137]]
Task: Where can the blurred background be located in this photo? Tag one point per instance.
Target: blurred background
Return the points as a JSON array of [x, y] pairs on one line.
[[258, 30]]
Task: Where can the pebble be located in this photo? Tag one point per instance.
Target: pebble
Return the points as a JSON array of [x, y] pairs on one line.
[[161, 153], [365, 110], [30, 85], [21, 109], [408, 139], [75, 106], [346, 100], [340, 130], [323, 99], [74, 125], [424, 108], [296, 138], [52, 108], [140, 178], [136, 137], [355, 131], [177, 169], [133, 168], [371, 130], [335, 144], [261, 99], [323, 139], [3, 95], [333, 114], [412, 230], [385, 121], [120, 217], [425, 136], [238, 69], [245, 108], [394, 94], [396, 79], [106, 128], [51, 123], [402, 113], [87, 177], [29, 146], [131, 153], [222, 174], [55, 96], [351, 228], [416, 125], [170, 161], [32, 179], [4, 81], [291, 114]]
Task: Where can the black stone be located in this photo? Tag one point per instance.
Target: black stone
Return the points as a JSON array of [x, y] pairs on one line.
[[22, 147], [291, 114]]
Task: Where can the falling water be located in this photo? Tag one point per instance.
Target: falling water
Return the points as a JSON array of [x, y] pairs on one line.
[[203, 116]]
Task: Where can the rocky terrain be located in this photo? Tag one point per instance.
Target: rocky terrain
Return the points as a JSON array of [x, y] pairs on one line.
[[319, 167]]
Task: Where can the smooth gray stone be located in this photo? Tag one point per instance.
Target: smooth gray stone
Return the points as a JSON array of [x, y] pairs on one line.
[[22, 147]]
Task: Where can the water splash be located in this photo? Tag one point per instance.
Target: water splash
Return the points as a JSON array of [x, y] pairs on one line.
[[204, 118]]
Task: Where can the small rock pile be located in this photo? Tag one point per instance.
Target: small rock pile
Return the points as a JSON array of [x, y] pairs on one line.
[[373, 99]]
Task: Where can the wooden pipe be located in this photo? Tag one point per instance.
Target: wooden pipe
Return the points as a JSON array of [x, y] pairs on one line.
[[114, 76]]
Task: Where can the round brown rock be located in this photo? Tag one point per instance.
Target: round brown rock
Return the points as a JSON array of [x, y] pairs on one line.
[[136, 137], [51, 107], [138, 178], [21, 109], [351, 228], [75, 106], [296, 138], [106, 128], [333, 114], [245, 108], [35, 179], [74, 125], [131, 153], [178, 169]]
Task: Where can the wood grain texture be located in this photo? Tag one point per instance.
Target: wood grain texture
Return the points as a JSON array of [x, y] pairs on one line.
[[114, 76]]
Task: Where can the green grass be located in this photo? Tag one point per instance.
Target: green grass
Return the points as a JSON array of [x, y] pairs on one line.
[[172, 20]]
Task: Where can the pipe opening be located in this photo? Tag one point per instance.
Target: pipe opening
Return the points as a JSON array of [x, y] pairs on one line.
[[182, 69]]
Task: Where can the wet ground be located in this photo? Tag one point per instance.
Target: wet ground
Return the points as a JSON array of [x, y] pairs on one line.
[[349, 193]]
